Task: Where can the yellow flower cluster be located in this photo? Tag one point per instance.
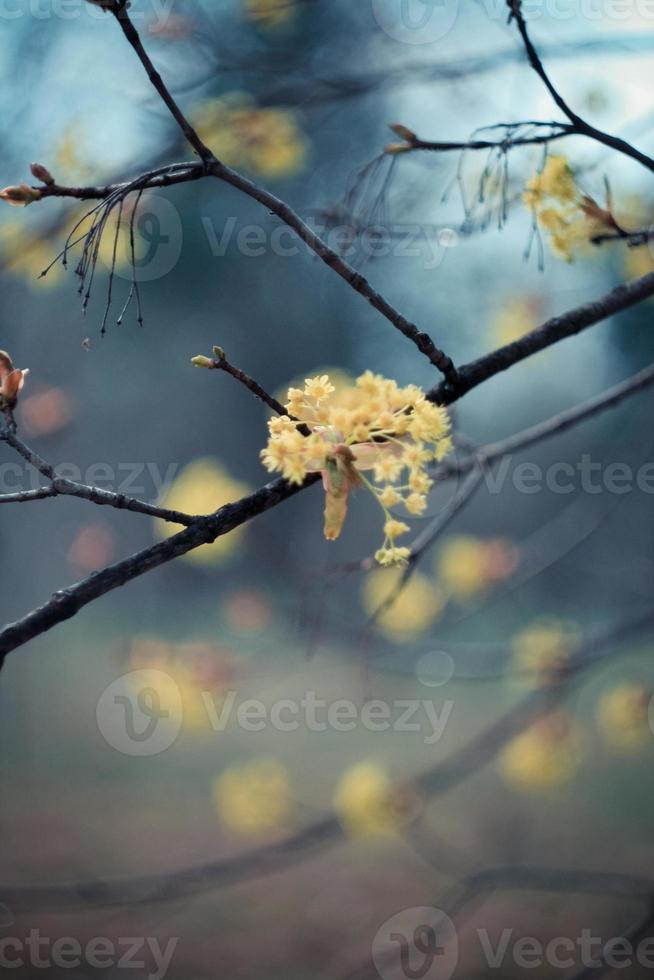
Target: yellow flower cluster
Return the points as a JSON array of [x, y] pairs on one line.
[[255, 798], [269, 13], [570, 218], [622, 717], [375, 426], [265, 141]]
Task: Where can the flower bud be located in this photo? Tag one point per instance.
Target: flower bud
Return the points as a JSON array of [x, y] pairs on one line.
[[404, 132], [219, 352], [20, 197], [42, 173], [202, 362], [393, 148]]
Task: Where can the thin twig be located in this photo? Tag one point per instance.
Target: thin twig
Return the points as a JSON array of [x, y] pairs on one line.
[[60, 486], [220, 363]]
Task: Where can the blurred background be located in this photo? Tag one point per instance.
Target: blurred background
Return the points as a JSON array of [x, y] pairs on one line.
[[299, 95]]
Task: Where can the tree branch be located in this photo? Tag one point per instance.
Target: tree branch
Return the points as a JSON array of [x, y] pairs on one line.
[[558, 423], [551, 332], [580, 125], [69, 488]]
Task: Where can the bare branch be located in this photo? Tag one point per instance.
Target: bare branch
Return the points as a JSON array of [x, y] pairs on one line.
[[551, 332], [66, 603], [580, 125], [552, 426], [220, 363], [69, 488], [119, 9]]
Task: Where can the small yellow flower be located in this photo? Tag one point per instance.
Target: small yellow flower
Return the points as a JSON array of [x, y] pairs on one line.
[[416, 503], [254, 799], [318, 388], [392, 555], [390, 497], [395, 529]]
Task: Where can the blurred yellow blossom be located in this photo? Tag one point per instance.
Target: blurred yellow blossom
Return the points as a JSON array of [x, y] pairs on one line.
[[542, 650], [254, 799], [269, 13], [638, 261], [623, 718], [367, 803], [417, 607], [202, 488], [374, 426], [266, 141], [571, 218], [544, 756], [468, 566], [70, 162], [514, 319], [193, 672], [27, 254]]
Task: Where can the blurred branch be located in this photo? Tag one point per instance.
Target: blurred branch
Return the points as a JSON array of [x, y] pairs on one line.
[[326, 832], [429, 536], [552, 426], [326, 89], [119, 8]]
